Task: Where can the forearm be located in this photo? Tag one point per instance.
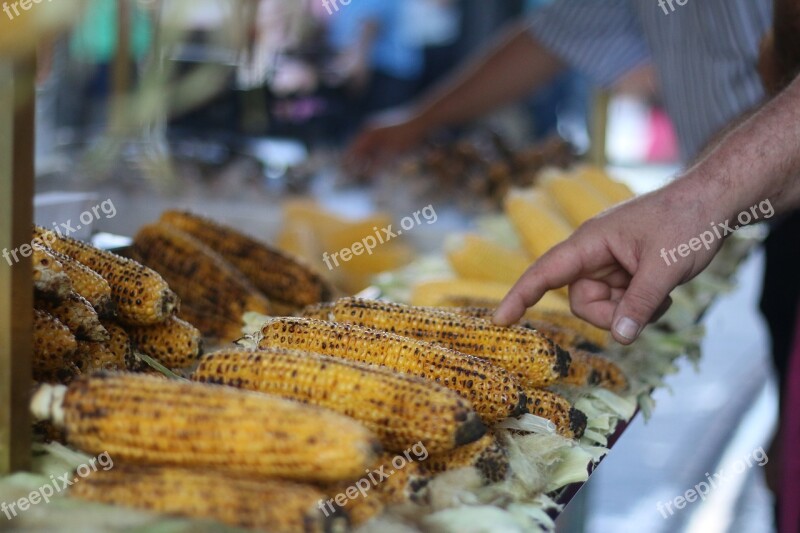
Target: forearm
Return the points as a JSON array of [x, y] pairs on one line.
[[758, 160], [511, 69]]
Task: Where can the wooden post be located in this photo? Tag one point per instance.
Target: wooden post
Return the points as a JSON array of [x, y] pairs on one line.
[[599, 128], [17, 104]]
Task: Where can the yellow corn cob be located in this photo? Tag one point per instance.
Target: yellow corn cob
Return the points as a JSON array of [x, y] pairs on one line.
[[487, 455], [276, 274], [569, 321], [318, 311], [96, 356], [267, 505], [140, 295], [406, 484], [48, 274], [475, 257], [401, 410], [492, 391], [53, 346], [213, 325], [455, 292], [614, 190], [77, 314], [87, 283], [175, 343], [141, 419], [120, 344], [578, 200], [566, 338], [200, 276], [570, 422], [594, 370], [534, 359], [539, 224]]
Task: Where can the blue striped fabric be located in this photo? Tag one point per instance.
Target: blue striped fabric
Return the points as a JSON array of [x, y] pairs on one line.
[[705, 53]]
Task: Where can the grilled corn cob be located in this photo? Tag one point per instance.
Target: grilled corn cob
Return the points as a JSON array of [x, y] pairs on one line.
[[475, 257], [578, 200], [318, 311], [406, 484], [213, 325], [492, 391], [48, 274], [175, 344], [594, 370], [77, 314], [570, 422], [53, 346], [276, 274], [87, 283], [533, 358], [268, 505], [564, 337], [140, 295], [401, 410], [569, 321], [148, 420], [487, 455], [200, 276], [96, 356], [538, 222], [120, 344]]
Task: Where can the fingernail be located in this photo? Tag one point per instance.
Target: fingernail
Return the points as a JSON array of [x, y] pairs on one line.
[[627, 328]]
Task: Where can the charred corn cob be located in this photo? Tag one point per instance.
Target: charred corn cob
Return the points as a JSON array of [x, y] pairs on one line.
[[493, 392], [594, 370], [399, 409], [406, 482], [87, 283], [96, 356], [140, 295], [578, 200], [570, 422], [565, 338], [487, 455], [268, 505], [475, 257], [538, 223], [455, 292], [48, 274], [53, 346], [175, 344], [77, 314], [200, 276], [120, 344], [221, 327], [534, 359], [276, 274], [147, 420], [569, 321]]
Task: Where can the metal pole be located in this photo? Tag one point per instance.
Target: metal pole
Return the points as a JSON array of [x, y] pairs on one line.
[[17, 104]]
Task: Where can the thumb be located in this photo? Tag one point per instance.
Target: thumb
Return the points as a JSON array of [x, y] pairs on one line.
[[645, 296]]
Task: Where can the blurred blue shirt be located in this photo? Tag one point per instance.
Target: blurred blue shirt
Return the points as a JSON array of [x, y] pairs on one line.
[[393, 53]]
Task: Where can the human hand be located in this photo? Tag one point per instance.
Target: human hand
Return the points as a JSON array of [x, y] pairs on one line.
[[385, 137], [619, 266]]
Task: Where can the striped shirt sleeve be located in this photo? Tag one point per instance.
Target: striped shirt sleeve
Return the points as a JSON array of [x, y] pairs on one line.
[[604, 39]]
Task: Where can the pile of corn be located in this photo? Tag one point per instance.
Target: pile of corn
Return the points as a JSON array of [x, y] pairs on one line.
[[541, 216], [220, 273], [95, 310]]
